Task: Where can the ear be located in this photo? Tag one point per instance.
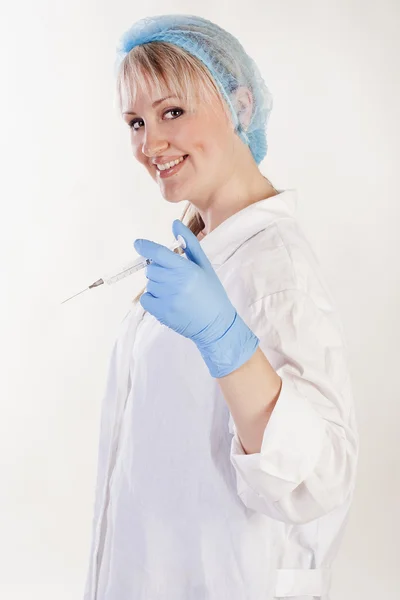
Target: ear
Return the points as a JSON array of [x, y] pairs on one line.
[[243, 103]]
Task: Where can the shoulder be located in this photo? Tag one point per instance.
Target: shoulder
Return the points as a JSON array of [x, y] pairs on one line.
[[279, 258]]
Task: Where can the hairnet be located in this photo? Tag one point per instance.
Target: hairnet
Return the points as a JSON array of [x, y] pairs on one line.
[[217, 49]]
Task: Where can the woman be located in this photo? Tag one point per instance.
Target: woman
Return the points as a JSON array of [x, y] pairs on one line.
[[228, 444]]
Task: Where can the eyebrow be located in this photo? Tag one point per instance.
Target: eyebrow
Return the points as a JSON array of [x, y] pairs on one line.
[[155, 103]]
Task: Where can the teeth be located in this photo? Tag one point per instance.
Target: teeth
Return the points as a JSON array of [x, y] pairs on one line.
[[169, 164]]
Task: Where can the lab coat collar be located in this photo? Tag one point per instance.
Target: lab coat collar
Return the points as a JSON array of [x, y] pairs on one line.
[[225, 239]]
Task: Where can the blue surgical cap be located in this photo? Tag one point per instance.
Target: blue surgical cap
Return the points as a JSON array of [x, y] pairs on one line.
[[217, 49]]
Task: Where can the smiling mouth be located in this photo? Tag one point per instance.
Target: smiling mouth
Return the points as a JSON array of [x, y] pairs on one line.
[[171, 172], [174, 166]]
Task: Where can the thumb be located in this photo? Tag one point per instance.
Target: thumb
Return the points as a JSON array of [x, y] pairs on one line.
[[193, 249]]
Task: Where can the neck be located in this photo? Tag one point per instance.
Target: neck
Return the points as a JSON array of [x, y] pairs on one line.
[[217, 213]]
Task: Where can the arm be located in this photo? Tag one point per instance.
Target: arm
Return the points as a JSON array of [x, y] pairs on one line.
[[251, 393], [302, 455]]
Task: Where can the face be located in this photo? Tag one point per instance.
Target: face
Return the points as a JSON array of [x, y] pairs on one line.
[[164, 131]]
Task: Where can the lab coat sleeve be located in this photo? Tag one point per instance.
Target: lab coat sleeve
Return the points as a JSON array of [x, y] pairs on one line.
[[307, 463]]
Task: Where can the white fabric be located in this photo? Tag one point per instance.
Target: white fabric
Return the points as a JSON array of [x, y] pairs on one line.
[[181, 512]]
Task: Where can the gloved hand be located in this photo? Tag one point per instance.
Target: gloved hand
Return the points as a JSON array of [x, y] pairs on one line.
[[187, 296]]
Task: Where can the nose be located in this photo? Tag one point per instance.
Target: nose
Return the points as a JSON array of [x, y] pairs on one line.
[[153, 143]]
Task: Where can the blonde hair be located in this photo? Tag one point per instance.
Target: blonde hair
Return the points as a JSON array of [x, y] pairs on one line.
[[184, 75]]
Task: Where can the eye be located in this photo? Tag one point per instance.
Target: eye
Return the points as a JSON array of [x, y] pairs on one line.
[[171, 110]]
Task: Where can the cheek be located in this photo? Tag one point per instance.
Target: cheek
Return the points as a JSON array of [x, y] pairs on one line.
[[135, 148], [210, 138], [195, 136], [138, 154], [200, 140]]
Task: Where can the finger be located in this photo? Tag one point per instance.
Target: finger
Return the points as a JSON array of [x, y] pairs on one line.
[[193, 249], [158, 253], [158, 290], [149, 303], [157, 273]]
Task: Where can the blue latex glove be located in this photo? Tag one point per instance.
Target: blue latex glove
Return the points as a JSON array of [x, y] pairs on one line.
[[187, 296]]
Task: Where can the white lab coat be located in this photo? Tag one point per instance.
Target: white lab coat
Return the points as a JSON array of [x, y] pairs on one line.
[[181, 512]]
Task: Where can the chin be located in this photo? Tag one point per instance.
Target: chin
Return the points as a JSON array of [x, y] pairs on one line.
[[173, 198]]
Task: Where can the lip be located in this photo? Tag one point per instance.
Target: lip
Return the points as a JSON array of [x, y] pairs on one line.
[[173, 171]]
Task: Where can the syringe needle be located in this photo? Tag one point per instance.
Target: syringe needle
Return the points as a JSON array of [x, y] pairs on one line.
[[134, 266], [95, 284], [74, 296]]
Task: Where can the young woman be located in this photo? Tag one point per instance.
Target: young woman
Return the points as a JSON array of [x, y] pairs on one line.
[[228, 444]]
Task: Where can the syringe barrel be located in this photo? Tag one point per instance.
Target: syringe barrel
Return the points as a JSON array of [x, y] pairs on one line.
[[139, 263], [125, 271]]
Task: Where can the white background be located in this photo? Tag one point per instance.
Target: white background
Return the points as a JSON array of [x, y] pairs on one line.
[[73, 201]]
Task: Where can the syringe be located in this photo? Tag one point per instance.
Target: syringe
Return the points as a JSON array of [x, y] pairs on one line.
[[132, 267]]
